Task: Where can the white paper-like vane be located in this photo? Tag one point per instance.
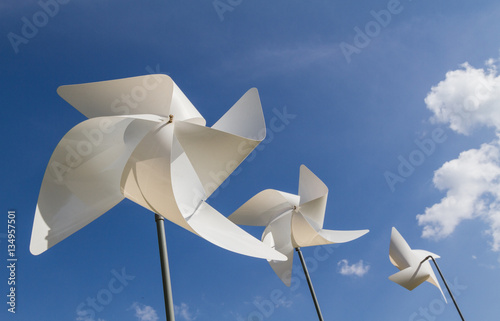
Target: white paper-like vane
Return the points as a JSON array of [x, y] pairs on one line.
[[412, 272], [168, 164], [292, 221]]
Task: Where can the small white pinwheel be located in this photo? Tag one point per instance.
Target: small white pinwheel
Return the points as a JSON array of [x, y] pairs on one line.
[[292, 221], [145, 141], [413, 271]]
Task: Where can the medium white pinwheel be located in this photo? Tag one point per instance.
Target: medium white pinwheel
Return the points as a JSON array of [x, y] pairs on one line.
[[292, 221], [158, 153], [413, 271]]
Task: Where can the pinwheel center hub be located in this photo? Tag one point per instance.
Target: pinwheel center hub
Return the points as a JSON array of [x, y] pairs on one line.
[[170, 119]]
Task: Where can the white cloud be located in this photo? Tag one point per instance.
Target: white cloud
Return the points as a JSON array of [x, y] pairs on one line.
[[472, 182], [468, 98], [184, 312], [144, 312], [357, 269]]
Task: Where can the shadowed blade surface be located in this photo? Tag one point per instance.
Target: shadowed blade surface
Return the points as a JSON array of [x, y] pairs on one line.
[[151, 94], [264, 207], [82, 180]]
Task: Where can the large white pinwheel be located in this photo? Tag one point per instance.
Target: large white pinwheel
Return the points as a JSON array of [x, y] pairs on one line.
[[157, 153], [292, 221], [413, 271]]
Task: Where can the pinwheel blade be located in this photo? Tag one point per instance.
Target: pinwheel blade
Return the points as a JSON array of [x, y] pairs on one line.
[[151, 94], [217, 229], [313, 196], [305, 234], [422, 254], [264, 207], [214, 154], [147, 176], [342, 236], [314, 210], [277, 236], [310, 186], [245, 118], [414, 270], [400, 252], [433, 280], [82, 180], [160, 177], [411, 277]]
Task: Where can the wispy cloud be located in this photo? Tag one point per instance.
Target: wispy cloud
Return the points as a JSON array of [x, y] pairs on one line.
[[144, 312], [282, 59], [357, 269], [183, 311], [468, 98], [297, 56]]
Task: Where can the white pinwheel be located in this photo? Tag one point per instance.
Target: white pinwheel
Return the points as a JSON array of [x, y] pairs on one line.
[[292, 221], [157, 153], [413, 271]]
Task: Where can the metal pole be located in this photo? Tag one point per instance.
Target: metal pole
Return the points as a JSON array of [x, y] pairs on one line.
[[165, 272], [313, 294], [446, 284]]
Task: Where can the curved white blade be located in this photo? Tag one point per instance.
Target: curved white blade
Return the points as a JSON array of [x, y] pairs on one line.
[[342, 236], [217, 229], [277, 236], [147, 176], [413, 271], [304, 234], [264, 207], [410, 277], [207, 222], [245, 118], [400, 252], [150, 94], [413, 276], [314, 210], [422, 254], [214, 154], [310, 186], [82, 180], [160, 177], [433, 280]]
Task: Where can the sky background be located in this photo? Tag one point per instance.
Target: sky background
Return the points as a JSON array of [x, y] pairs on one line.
[[365, 93]]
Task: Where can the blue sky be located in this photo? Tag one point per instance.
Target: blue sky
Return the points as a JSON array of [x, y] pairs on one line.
[[358, 115]]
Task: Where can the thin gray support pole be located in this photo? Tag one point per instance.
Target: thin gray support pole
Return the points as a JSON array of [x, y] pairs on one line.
[[313, 294], [446, 284], [165, 272]]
